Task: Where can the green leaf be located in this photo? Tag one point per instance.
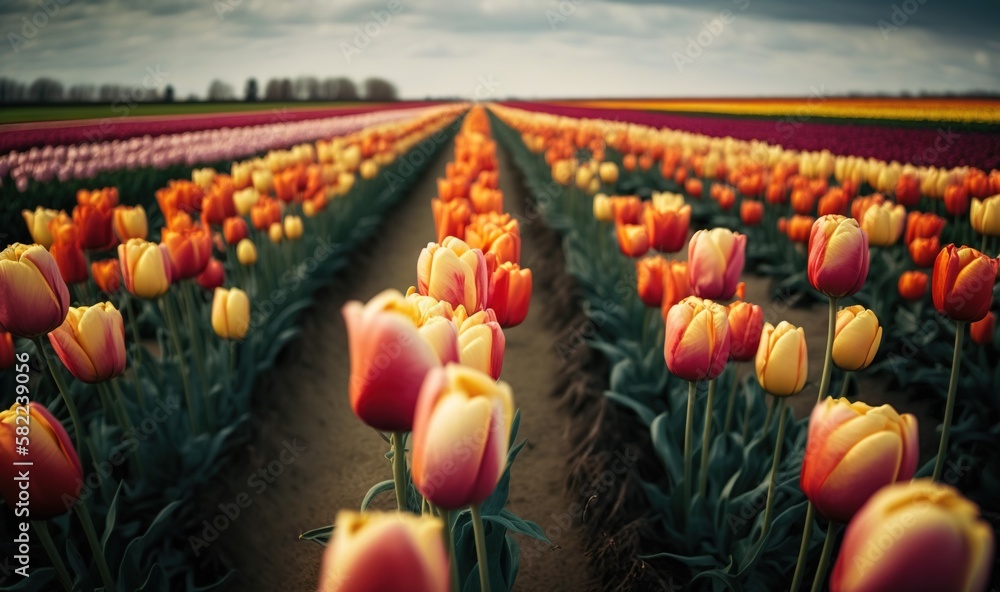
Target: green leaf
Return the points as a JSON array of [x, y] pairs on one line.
[[387, 485], [320, 536]]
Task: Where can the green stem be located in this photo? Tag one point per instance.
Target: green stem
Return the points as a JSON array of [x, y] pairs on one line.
[[772, 486], [42, 528], [133, 321], [168, 312], [199, 354], [824, 558], [399, 470], [844, 386], [746, 417], [770, 415], [731, 403], [688, 428], [450, 547], [800, 563], [705, 435], [949, 410], [481, 555], [64, 391], [95, 546], [120, 401], [824, 385]]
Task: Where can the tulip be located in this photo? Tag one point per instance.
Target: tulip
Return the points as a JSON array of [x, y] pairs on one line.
[[838, 256], [693, 187], [246, 252], [96, 230], [627, 208], [213, 276], [34, 298], [107, 275], [608, 172], [667, 229], [495, 234], [922, 225], [715, 262], [91, 342], [264, 213], [962, 283], [917, 536], [985, 216], [912, 285], [803, 202], [68, 255], [244, 200], [455, 273], [956, 200], [924, 251], [392, 348], [481, 341], [666, 201], [746, 321], [460, 404], [649, 280], [751, 212], [884, 223], [130, 222], [676, 285], [368, 169], [56, 472], [146, 268], [293, 227], [385, 551], [696, 346], [603, 208], [451, 217], [856, 338], [782, 362], [982, 330], [834, 202], [509, 293], [234, 229], [38, 224], [6, 350], [633, 239], [230, 313], [800, 228], [852, 451], [189, 251]]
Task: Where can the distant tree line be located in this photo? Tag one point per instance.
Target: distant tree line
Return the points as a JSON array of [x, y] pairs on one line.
[[303, 88]]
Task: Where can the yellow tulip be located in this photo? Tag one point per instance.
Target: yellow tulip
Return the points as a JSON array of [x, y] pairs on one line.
[[34, 298], [608, 172], [275, 233], [293, 227], [146, 267], [884, 223], [38, 224], [985, 215], [230, 313], [246, 252], [91, 342], [782, 360], [858, 335]]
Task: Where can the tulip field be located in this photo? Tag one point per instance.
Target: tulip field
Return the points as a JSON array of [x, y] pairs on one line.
[[626, 345]]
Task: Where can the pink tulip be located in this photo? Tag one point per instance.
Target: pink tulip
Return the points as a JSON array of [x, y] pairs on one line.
[[696, 343], [838, 256], [715, 262]]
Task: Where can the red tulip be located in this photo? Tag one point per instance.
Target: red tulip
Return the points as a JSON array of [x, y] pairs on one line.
[[982, 330], [67, 253], [912, 285], [6, 350], [234, 229], [95, 226], [649, 280], [509, 292], [962, 284], [667, 229], [838, 256], [190, 251], [715, 262], [746, 321], [924, 251], [214, 275], [956, 200], [696, 346], [751, 212], [922, 225]]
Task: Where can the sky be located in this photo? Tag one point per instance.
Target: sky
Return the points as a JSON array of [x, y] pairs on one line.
[[491, 49]]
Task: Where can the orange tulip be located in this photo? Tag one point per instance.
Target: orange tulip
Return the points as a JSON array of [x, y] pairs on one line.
[[189, 251], [751, 212], [982, 330], [726, 198], [800, 228], [509, 292], [393, 344], [649, 280], [912, 285], [676, 285], [130, 222], [696, 346], [107, 275], [803, 202], [834, 202], [746, 322], [451, 217], [956, 200], [485, 199], [493, 233], [385, 551], [907, 190], [924, 251], [633, 240], [693, 187], [627, 209], [234, 229], [34, 298], [56, 473], [962, 284], [667, 229], [95, 227], [460, 404], [852, 451], [218, 205], [265, 212], [91, 342], [922, 225], [68, 255]]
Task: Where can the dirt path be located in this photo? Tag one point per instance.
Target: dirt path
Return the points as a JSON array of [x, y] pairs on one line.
[[317, 457]]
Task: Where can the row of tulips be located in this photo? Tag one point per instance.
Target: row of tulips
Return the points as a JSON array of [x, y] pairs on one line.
[[857, 462], [149, 416], [425, 371]]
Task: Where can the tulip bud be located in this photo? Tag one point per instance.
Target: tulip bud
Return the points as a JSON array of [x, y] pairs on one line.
[[213, 276], [667, 229], [746, 321], [509, 292], [857, 337], [696, 343], [982, 330], [459, 404], [96, 231], [244, 200], [408, 550], [481, 341], [38, 224], [649, 280], [884, 223], [608, 172], [67, 253], [368, 169], [912, 285], [246, 252], [146, 268], [917, 536], [603, 209], [56, 473], [274, 233], [393, 346], [751, 212], [838, 256], [91, 342], [293, 227], [715, 262], [234, 229], [633, 239], [962, 284], [34, 298], [263, 180], [676, 285], [230, 313], [985, 216], [130, 222], [956, 200], [455, 273], [782, 361]]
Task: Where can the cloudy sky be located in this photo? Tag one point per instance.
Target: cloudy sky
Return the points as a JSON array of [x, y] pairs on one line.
[[524, 48]]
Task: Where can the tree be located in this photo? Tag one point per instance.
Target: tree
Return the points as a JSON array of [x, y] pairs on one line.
[[168, 94], [378, 89], [285, 90], [45, 90], [339, 89], [12, 91], [82, 93], [250, 94], [220, 91]]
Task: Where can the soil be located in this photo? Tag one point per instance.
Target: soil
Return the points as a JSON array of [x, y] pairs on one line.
[[303, 401]]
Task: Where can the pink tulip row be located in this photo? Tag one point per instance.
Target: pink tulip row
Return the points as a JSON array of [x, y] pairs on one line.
[[84, 161]]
